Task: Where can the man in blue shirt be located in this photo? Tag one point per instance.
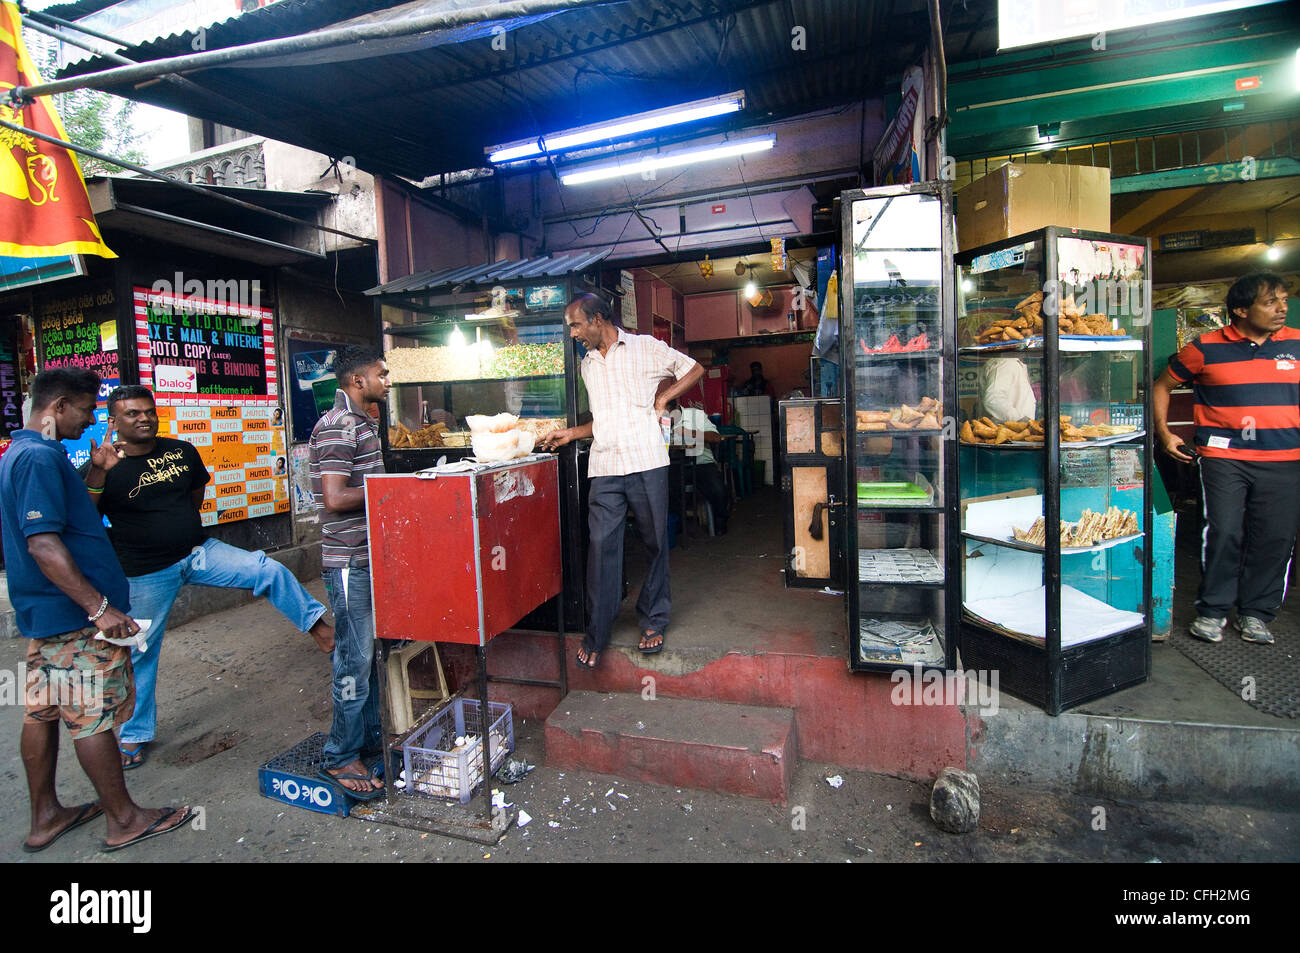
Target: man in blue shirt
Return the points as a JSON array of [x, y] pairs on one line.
[[67, 589]]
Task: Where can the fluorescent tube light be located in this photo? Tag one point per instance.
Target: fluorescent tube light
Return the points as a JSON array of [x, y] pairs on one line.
[[668, 160], [618, 128]]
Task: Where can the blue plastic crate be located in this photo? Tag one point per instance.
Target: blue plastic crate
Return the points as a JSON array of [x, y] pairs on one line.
[[291, 778]]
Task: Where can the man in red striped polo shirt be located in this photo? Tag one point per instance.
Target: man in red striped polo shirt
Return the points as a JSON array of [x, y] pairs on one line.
[[1246, 379]]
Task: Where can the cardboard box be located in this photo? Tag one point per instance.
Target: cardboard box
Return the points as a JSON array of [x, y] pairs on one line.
[[1019, 198]]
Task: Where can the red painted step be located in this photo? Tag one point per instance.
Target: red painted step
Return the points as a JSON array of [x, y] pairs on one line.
[[713, 746]]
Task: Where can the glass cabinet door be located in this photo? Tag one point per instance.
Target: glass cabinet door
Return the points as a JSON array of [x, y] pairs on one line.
[[899, 398]]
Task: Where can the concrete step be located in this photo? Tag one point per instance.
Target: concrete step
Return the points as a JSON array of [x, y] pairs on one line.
[[713, 746]]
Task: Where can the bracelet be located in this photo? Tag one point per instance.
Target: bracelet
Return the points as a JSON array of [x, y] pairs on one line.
[[103, 607], [95, 489]]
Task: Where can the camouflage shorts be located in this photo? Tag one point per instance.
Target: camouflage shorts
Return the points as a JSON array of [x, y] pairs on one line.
[[86, 682]]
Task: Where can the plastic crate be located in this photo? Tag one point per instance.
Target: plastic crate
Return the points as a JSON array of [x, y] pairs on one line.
[[435, 767], [290, 778]]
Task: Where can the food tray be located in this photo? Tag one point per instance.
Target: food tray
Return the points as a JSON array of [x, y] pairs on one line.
[[899, 566], [900, 491]]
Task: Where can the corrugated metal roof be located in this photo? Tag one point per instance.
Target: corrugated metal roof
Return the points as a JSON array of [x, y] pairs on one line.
[[478, 276], [435, 108]]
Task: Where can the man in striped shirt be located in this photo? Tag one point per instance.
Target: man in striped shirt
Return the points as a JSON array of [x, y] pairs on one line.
[[628, 465], [343, 449], [1246, 379]]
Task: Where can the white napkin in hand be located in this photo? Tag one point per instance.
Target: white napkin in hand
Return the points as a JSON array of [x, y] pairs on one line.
[[136, 640]]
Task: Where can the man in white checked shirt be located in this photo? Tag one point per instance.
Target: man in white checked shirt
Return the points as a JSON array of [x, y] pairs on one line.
[[628, 465]]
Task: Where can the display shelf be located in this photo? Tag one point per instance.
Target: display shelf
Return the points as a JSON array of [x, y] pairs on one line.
[[1063, 624], [895, 284], [479, 380], [1065, 343], [902, 567], [1013, 543], [867, 357], [900, 641], [1063, 444]]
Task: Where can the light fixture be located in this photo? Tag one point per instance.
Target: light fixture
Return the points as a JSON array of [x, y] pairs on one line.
[[667, 160], [1274, 253], [1047, 130], [967, 285], [456, 338], [751, 289], [618, 128]]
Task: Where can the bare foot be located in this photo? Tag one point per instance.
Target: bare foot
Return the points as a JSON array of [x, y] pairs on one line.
[[588, 659], [323, 633], [49, 829], [363, 782], [651, 639], [147, 822]]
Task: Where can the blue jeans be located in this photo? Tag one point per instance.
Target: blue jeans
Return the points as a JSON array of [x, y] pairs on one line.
[[355, 727], [212, 564]]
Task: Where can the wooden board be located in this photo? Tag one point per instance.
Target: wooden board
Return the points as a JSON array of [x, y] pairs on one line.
[[800, 426], [809, 489]]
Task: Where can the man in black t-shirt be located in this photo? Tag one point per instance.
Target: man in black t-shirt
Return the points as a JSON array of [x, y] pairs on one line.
[[151, 490]]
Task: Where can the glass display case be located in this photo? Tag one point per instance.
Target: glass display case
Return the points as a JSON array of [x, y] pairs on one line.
[[480, 341], [897, 301], [1054, 376]]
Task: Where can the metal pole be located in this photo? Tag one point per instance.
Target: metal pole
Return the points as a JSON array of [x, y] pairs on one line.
[[68, 24], [179, 82], [342, 36], [485, 732], [229, 200]]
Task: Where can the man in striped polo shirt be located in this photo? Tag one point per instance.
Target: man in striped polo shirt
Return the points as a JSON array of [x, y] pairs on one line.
[[1246, 378], [344, 447], [628, 466]]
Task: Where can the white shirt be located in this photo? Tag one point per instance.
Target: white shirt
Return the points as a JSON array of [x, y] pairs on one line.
[[692, 418], [621, 386]]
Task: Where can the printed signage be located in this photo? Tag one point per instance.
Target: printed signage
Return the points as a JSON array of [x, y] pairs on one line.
[[216, 385]]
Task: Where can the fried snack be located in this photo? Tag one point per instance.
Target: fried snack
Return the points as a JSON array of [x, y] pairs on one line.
[[873, 426], [897, 423], [967, 434], [929, 422], [1035, 298], [1036, 427], [984, 430], [1019, 426], [1002, 435]]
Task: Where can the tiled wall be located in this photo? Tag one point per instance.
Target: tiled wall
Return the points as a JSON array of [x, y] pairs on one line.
[[755, 414]]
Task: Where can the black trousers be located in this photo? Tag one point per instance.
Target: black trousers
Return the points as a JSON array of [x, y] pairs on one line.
[[708, 481], [1250, 510], [609, 499]]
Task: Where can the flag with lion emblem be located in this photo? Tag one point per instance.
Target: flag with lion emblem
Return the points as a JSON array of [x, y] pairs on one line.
[[44, 209]]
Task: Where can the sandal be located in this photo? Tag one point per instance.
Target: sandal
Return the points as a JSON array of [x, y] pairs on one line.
[[153, 830], [646, 635], [133, 759], [593, 658], [337, 779], [85, 814]]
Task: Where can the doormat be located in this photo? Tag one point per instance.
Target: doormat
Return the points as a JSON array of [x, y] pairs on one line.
[[1272, 671]]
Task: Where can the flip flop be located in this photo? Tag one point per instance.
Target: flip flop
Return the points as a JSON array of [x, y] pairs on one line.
[[153, 830], [85, 814], [139, 752], [654, 649], [593, 659], [334, 779]]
